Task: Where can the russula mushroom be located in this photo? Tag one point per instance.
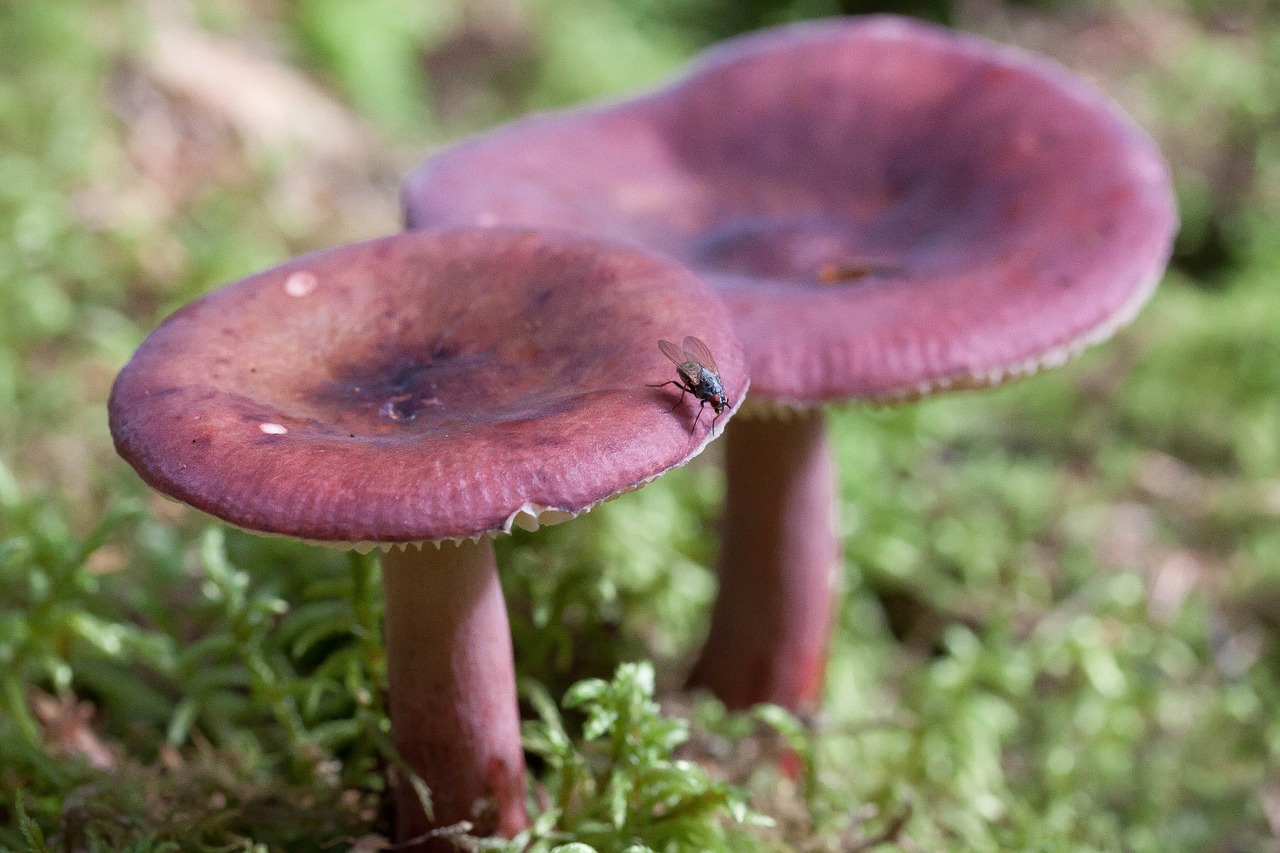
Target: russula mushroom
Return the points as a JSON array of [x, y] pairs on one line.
[[890, 209], [427, 387]]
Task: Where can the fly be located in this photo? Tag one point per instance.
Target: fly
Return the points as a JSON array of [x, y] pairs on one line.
[[698, 376]]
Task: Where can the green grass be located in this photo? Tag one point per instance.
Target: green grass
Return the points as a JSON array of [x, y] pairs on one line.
[[1059, 621]]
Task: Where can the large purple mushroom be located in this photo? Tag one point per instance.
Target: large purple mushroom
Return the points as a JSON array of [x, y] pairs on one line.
[[431, 387], [890, 209]]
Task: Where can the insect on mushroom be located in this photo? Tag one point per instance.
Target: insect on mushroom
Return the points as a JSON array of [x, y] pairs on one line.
[[698, 376]]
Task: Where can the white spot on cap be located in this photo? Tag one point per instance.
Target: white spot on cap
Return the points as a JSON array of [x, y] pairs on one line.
[[300, 283], [273, 429]]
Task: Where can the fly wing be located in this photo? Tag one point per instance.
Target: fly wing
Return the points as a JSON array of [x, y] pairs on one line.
[[696, 350], [672, 352]]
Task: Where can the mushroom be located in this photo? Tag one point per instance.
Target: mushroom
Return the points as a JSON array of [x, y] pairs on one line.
[[890, 209], [430, 387]]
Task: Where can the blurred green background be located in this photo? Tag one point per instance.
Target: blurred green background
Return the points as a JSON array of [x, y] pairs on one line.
[[1059, 627]]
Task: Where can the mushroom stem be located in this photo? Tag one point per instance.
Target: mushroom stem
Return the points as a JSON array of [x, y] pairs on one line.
[[454, 717], [779, 565]]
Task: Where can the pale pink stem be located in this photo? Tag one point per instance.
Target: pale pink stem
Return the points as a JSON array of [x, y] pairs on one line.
[[779, 565], [454, 717]]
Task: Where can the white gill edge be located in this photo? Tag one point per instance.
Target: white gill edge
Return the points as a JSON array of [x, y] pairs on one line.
[[785, 409]]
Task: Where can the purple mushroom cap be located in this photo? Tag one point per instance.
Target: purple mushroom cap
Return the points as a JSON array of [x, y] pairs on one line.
[[423, 386], [887, 207]]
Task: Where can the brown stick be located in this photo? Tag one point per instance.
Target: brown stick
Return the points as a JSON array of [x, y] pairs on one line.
[[454, 717], [779, 566]]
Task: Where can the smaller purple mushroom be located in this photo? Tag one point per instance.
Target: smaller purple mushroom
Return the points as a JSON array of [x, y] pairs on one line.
[[431, 387]]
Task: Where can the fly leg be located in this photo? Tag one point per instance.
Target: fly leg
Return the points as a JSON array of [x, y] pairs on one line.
[[713, 422], [702, 406], [683, 390]]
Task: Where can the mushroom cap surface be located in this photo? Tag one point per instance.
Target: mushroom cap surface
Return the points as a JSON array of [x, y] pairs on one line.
[[889, 208], [424, 386]]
